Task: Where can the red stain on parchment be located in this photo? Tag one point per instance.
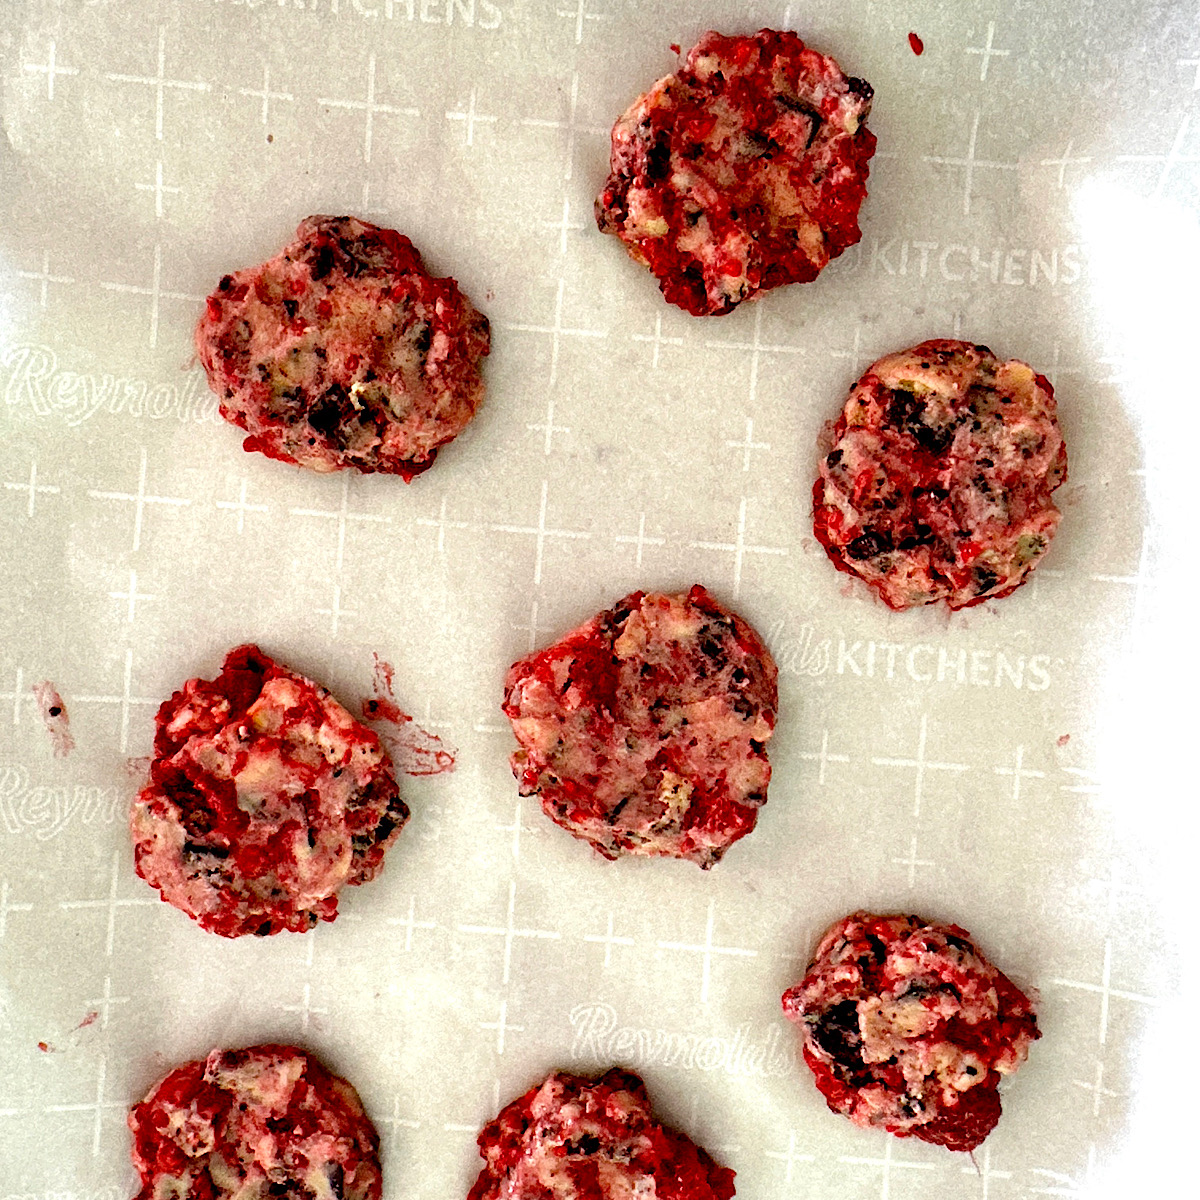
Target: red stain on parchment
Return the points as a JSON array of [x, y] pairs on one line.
[[413, 750], [918, 46], [44, 1047], [90, 1019], [54, 717], [674, 48], [138, 769], [1062, 741]]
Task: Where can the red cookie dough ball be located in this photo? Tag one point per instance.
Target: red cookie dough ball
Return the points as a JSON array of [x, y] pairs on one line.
[[907, 1027], [343, 351], [264, 1121], [266, 797], [741, 172], [644, 731], [577, 1139], [937, 478]]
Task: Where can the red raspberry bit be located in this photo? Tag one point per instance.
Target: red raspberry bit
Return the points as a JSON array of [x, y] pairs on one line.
[[214, 308], [297, 287], [674, 48], [918, 46], [324, 309]]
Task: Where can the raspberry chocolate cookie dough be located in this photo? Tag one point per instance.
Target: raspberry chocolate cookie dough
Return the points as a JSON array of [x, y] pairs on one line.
[[907, 1027], [644, 731], [741, 172], [264, 1121], [572, 1138], [937, 476], [343, 351], [265, 798]]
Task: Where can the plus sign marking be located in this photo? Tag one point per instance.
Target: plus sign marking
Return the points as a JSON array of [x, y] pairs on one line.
[[241, 507], [541, 532], [822, 757], [657, 340], [125, 701], [580, 14], [739, 548], [987, 51], [370, 106], [747, 445], [32, 489], [501, 1026], [305, 1008], [570, 125], [789, 1158], [45, 279], [1019, 772], [160, 83], [99, 1106], [971, 163], [155, 291], [563, 225], [470, 118], [6, 907], [1105, 991], [757, 348], [265, 94], [921, 765], [888, 1164], [641, 541], [912, 862], [132, 596], [557, 331], [159, 189], [1171, 159], [18, 695], [409, 923], [707, 949], [51, 69], [110, 903], [140, 499], [509, 931], [608, 940]]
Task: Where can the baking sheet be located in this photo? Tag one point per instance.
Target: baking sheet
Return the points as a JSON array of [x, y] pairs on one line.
[[1017, 768]]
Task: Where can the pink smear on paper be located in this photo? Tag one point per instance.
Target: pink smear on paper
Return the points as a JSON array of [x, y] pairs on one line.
[[54, 717], [1062, 741], [412, 749], [90, 1019], [138, 769]]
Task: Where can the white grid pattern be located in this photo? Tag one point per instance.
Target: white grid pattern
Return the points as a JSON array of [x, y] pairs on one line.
[[156, 180]]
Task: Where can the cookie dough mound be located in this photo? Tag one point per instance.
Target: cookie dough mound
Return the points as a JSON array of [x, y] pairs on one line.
[[343, 351], [572, 1138], [907, 1027], [741, 172], [264, 1121], [645, 730], [937, 476], [266, 796]]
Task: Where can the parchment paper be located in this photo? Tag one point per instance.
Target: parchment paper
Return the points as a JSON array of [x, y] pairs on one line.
[[1018, 768]]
